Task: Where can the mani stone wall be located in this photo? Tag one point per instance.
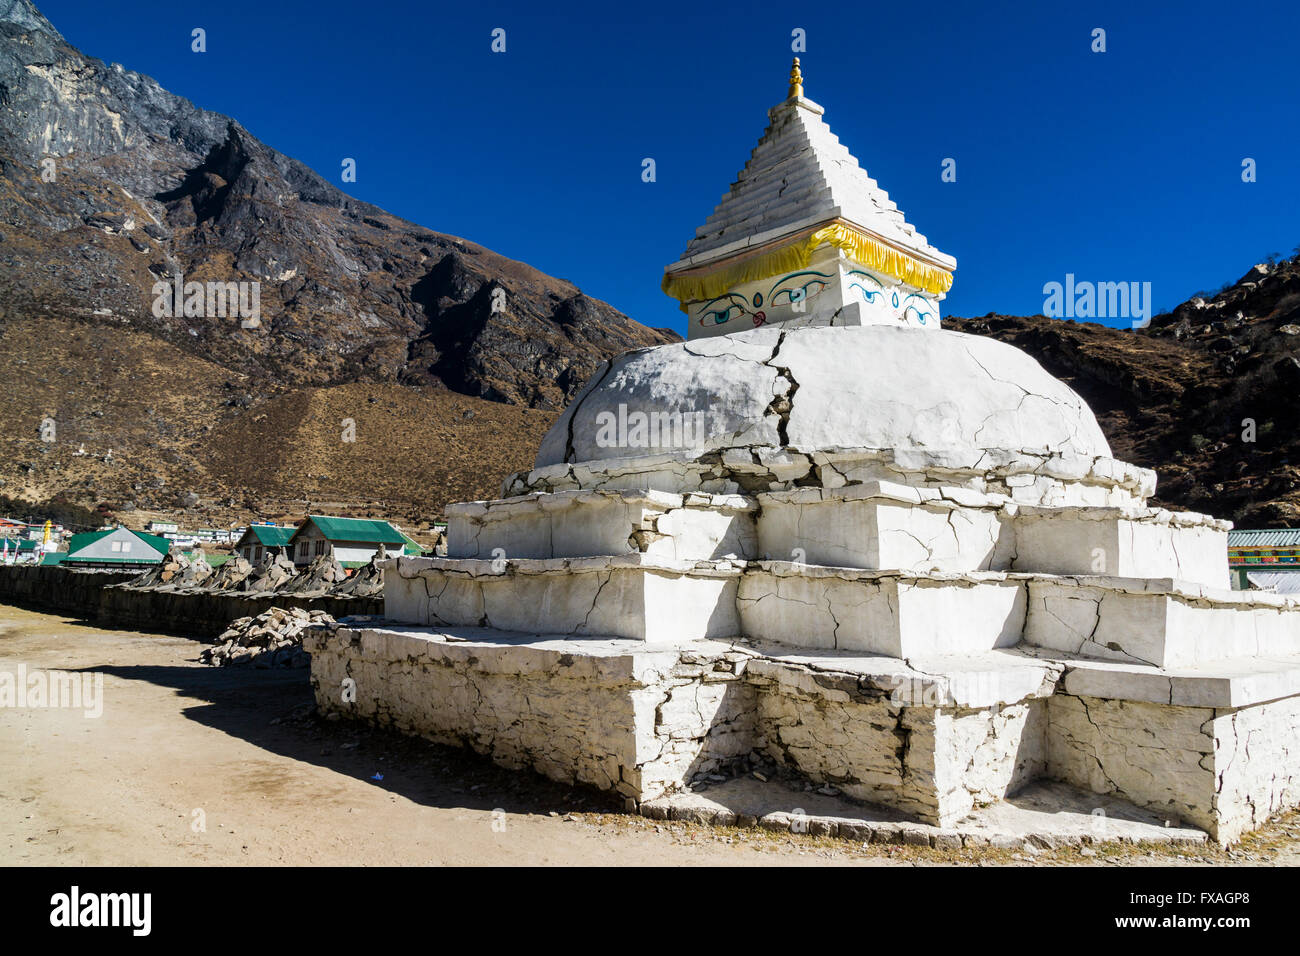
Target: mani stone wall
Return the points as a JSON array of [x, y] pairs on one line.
[[54, 588], [205, 614], [93, 595]]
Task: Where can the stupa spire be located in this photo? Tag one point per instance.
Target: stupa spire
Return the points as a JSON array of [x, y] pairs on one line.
[[805, 237]]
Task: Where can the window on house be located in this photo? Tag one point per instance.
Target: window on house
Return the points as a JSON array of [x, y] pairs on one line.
[[302, 549], [259, 555], [117, 545], [126, 545], [320, 546]]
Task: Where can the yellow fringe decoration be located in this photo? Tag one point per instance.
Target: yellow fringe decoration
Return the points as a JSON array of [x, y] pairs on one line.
[[798, 254]]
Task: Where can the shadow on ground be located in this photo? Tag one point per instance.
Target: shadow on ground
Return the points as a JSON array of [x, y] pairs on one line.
[[275, 710]]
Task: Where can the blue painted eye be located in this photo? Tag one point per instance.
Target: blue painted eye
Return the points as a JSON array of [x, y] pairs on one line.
[[720, 316], [798, 294], [894, 299], [758, 299], [868, 294], [918, 307], [871, 291]]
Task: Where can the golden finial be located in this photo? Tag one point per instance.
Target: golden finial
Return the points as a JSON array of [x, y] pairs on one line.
[[796, 80]]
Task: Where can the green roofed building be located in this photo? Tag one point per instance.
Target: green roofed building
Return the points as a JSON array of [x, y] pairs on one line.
[[1265, 559], [20, 550], [262, 539], [115, 548], [352, 541]]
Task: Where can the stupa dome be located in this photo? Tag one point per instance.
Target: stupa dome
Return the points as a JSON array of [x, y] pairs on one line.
[[928, 392]]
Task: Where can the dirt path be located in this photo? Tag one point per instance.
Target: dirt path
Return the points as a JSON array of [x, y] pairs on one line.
[[178, 740], [176, 736]]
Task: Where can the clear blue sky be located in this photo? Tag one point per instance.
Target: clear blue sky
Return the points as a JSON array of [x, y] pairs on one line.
[[1121, 166]]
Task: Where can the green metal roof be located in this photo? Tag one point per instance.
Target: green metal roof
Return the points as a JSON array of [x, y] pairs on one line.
[[54, 557], [1245, 538], [271, 537], [79, 541], [73, 559], [355, 529], [18, 544], [156, 541]]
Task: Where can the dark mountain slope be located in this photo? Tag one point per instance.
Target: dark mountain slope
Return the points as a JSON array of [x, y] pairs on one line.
[[1179, 396]]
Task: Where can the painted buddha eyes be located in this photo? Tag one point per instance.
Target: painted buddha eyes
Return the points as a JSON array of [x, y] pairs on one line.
[[918, 307], [721, 316], [799, 287], [869, 292]]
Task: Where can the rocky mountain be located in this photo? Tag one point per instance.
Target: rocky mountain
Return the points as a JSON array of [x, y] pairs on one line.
[[110, 185], [113, 184], [1206, 395]]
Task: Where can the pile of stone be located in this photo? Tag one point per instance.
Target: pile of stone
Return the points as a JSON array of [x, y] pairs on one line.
[[230, 575], [366, 581], [272, 639], [318, 577], [271, 575], [175, 570]]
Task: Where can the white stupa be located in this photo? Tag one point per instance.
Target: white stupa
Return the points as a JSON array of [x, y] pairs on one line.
[[893, 558]]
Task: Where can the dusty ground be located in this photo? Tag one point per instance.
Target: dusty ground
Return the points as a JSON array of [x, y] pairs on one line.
[[275, 785]]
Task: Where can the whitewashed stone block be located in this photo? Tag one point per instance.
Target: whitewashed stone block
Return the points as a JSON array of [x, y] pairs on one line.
[[1123, 542], [882, 525], [1160, 622], [605, 522], [880, 612], [1224, 770], [628, 596], [611, 714], [933, 763]]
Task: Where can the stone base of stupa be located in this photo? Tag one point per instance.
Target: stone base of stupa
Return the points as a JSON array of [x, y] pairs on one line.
[[1212, 746], [929, 631]]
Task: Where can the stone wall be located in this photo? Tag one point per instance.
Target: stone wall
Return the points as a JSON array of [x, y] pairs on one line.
[[643, 720], [611, 714], [1188, 762], [52, 588], [934, 763], [95, 596], [205, 614]]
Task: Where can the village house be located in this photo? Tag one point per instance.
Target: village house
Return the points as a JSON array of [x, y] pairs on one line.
[[352, 541], [19, 550], [262, 539], [115, 548]]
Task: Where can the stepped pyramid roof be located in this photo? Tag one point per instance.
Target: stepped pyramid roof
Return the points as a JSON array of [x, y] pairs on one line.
[[801, 183]]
